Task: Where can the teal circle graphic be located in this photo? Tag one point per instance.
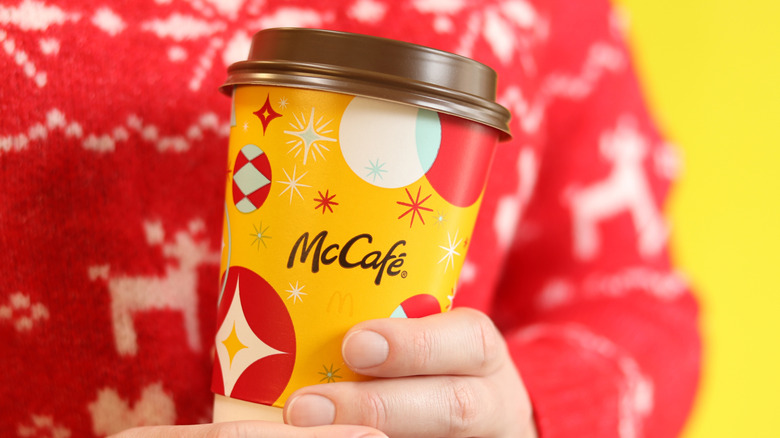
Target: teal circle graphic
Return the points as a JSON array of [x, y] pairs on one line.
[[428, 137]]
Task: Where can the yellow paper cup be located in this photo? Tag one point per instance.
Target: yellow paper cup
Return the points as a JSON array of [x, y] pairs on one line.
[[356, 169]]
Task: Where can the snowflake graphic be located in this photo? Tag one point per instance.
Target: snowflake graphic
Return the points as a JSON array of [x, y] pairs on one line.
[[310, 136], [415, 206], [325, 201], [260, 236], [330, 374], [439, 218], [296, 292], [293, 183], [375, 169], [22, 312], [450, 251]]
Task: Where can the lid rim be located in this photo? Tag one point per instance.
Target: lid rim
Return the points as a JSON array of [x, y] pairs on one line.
[[461, 105], [255, 69], [375, 67]]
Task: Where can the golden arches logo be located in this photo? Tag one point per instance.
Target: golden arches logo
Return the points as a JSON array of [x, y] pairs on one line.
[[342, 302]]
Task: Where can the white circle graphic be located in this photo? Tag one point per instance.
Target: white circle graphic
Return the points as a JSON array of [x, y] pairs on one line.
[[387, 144]]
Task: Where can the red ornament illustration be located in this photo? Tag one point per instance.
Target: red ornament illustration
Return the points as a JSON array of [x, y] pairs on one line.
[[269, 368], [251, 178], [460, 171], [417, 307]]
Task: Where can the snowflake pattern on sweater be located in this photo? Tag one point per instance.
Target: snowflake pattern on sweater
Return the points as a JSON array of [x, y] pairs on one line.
[[113, 141]]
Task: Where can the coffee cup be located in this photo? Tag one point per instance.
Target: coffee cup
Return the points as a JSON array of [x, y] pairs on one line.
[[356, 167]]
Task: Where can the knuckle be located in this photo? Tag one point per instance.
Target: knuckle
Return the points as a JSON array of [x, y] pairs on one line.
[[240, 429], [373, 409], [463, 406], [489, 342], [227, 430], [423, 343]]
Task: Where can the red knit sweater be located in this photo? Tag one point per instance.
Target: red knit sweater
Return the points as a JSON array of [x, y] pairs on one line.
[[112, 158]]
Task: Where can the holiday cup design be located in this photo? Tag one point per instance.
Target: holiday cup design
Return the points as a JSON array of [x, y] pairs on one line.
[[251, 178], [339, 207]]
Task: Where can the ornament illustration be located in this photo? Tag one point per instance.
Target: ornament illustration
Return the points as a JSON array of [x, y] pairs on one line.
[[404, 141], [251, 179], [415, 205], [310, 136], [255, 341], [460, 170], [417, 306], [266, 113]]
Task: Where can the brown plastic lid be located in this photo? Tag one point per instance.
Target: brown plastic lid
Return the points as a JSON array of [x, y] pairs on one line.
[[374, 67]]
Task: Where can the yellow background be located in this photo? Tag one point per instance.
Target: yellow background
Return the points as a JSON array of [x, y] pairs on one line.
[[712, 72]]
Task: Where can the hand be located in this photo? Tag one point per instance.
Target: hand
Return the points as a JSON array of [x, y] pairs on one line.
[[249, 429], [444, 375]]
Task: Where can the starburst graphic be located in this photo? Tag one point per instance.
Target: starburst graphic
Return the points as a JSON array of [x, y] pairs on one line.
[[295, 292], [239, 347], [293, 183], [330, 374], [440, 218], [282, 103], [246, 126], [266, 113], [375, 169], [450, 251], [310, 135], [325, 201], [415, 206], [260, 235]]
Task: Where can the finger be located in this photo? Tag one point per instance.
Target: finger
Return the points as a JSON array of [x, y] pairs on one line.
[[250, 429], [430, 406], [460, 342]]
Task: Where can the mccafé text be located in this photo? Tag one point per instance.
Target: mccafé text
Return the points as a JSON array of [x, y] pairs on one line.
[[347, 255]]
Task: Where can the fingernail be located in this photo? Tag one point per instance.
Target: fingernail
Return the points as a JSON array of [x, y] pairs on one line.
[[365, 349], [311, 410]]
